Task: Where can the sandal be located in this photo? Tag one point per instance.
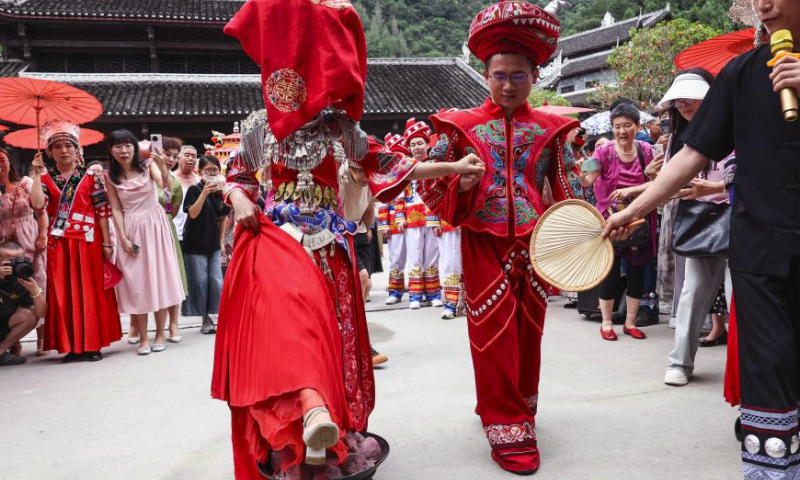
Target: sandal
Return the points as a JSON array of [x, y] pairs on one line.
[[319, 436], [40, 351], [721, 340]]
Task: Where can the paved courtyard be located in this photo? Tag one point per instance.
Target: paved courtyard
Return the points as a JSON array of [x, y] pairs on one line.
[[604, 412]]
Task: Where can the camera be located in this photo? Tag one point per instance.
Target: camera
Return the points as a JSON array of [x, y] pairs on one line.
[[21, 267]]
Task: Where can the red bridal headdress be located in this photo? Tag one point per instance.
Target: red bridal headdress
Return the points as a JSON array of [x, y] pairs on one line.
[[514, 27], [415, 129]]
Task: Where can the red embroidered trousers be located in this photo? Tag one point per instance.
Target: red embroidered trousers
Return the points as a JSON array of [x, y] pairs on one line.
[[506, 304]]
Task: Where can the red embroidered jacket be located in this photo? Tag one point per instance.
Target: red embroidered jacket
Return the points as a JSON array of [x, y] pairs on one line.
[[520, 155]]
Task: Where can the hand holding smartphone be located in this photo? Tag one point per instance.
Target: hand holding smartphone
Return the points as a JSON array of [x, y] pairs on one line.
[[156, 144]]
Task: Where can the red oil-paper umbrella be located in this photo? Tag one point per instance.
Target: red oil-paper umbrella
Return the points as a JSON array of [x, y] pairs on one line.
[[31, 101], [29, 138], [714, 54]]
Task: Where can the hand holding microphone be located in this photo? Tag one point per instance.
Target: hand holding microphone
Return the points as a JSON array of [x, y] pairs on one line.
[[786, 72]]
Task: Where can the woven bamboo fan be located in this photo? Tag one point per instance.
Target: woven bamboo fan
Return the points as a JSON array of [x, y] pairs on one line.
[[567, 250]]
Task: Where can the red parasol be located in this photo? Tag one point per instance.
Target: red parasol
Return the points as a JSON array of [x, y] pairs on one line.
[[715, 53], [29, 138], [3, 128], [30, 101], [558, 110]]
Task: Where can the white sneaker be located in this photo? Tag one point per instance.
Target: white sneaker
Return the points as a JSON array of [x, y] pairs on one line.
[[437, 303], [414, 305], [676, 378], [392, 300], [448, 314]]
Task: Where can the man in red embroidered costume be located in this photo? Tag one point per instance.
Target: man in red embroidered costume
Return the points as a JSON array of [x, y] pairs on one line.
[[82, 316], [292, 356], [422, 229], [392, 222], [522, 150]]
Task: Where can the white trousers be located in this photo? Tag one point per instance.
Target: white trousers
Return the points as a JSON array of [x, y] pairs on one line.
[[422, 264], [397, 258], [450, 268]]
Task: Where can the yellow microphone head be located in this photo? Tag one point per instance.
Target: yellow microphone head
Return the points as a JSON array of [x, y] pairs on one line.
[[782, 41]]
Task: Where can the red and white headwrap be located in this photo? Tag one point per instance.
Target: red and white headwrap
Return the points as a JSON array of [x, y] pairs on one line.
[[415, 129], [514, 27], [397, 144], [56, 130]]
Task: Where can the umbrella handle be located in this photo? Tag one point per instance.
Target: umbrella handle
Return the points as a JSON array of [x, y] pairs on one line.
[[38, 132]]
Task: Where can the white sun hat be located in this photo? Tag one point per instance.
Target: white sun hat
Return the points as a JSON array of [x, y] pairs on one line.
[[690, 86]]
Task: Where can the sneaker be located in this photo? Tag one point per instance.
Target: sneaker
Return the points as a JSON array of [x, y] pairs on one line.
[[392, 300], [676, 378], [437, 303], [414, 305], [9, 359], [377, 357], [208, 326], [448, 314]]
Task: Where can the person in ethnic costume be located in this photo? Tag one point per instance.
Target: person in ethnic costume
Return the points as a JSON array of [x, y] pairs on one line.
[[523, 150], [292, 356], [82, 316], [422, 228], [392, 222]]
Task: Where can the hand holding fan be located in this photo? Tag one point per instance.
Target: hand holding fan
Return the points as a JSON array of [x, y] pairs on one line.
[[567, 250]]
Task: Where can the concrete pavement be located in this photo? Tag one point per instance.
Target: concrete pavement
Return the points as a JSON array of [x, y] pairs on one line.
[[604, 412]]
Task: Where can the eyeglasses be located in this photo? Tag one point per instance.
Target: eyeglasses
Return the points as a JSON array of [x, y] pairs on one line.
[[684, 102], [211, 171], [518, 77]]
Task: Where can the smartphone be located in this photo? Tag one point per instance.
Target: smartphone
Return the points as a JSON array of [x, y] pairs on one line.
[[136, 248], [658, 149], [664, 126], [156, 145]]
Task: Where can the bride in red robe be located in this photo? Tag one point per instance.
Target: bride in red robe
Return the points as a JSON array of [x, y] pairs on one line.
[[292, 355]]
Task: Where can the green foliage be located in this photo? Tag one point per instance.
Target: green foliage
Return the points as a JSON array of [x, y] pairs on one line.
[[645, 65], [538, 97], [588, 14], [432, 28]]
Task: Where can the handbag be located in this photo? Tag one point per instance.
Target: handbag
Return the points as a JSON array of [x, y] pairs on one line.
[[640, 235], [701, 229]]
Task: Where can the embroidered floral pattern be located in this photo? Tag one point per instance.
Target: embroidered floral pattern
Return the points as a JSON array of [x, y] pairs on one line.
[[335, 4], [286, 90], [510, 434]]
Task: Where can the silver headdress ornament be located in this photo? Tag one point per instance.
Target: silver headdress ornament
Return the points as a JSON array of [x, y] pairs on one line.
[[555, 6], [330, 132], [307, 147]]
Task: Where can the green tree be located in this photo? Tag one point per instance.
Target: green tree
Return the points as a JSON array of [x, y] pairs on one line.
[[645, 65], [539, 97]]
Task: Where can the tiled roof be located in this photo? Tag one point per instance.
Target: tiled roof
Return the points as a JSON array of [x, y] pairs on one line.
[[12, 68], [197, 11], [393, 86], [587, 64], [604, 38]]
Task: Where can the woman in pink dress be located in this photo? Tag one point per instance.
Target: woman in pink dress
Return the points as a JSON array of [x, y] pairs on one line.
[[151, 280], [20, 223]]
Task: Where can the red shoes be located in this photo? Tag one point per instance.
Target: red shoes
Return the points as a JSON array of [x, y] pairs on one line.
[[634, 332], [519, 461], [608, 334]]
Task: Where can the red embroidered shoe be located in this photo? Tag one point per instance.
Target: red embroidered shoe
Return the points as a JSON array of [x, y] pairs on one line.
[[634, 332], [608, 334], [519, 461]]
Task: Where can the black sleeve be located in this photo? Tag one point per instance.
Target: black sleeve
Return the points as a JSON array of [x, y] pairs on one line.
[[711, 129], [224, 210], [192, 195]]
